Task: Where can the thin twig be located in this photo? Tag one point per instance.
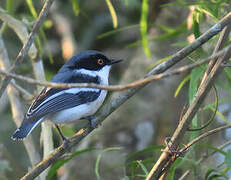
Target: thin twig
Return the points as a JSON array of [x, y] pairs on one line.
[[134, 84], [46, 127], [27, 45], [220, 44], [205, 156], [187, 118], [208, 133], [118, 101], [19, 28], [25, 94], [16, 107]]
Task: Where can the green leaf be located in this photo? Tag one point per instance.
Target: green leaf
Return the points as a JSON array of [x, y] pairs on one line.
[[61, 162], [113, 13], [99, 158], [228, 158], [180, 44], [10, 10], [184, 4], [228, 76], [212, 148], [211, 105], [32, 9], [158, 62], [196, 21], [221, 116], [144, 27], [213, 174], [209, 13], [41, 31], [183, 82], [10, 6], [75, 6], [67, 131], [114, 31], [193, 86], [141, 175], [172, 34], [132, 156], [143, 168], [210, 171], [173, 167], [194, 81]]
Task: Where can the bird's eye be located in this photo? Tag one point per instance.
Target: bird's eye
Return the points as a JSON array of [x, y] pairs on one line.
[[100, 62]]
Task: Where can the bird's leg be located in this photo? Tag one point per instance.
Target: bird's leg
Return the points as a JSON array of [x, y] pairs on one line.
[[65, 140], [91, 120]]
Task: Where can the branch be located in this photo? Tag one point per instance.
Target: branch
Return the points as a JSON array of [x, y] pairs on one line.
[[16, 107], [19, 28], [134, 84], [205, 156], [24, 93], [46, 127], [187, 118], [115, 103], [199, 138], [22, 32], [28, 44], [208, 133]]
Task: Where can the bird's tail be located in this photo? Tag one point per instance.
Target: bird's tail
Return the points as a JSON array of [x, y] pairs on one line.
[[25, 129]]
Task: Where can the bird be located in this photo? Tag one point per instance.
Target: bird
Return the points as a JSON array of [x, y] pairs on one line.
[[68, 105]]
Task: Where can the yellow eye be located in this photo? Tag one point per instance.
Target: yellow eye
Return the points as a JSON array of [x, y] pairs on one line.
[[100, 62]]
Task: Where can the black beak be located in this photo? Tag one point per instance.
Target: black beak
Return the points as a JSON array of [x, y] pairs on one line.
[[114, 61]]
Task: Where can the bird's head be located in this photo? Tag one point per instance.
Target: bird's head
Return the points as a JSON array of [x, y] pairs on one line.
[[91, 60]]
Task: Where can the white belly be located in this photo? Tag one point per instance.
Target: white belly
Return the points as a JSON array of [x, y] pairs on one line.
[[84, 110], [78, 112]]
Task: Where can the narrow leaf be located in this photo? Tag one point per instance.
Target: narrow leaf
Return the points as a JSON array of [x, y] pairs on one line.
[[143, 168], [144, 27], [183, 82], [113, 13], [75, 6], [99, 158], [228, 158], [60, 163], [32, 9]]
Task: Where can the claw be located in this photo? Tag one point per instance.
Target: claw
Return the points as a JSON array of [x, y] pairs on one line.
[[91, 121], [65, 140]]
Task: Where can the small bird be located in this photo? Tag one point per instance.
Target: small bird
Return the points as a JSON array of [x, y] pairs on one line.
[[69, 105]]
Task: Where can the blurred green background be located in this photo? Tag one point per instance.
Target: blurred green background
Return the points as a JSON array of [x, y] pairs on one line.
[[143, 33]]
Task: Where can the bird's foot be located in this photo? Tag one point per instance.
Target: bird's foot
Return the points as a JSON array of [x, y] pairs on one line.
[[64, 139], [92, 123], [65, 142]]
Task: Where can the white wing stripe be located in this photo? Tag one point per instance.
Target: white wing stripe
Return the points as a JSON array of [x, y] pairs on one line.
[[71, 91]]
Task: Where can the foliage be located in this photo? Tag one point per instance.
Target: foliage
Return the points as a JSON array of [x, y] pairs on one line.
[[204, 13]]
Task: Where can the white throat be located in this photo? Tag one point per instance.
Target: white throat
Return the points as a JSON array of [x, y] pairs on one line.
[[102, 73]]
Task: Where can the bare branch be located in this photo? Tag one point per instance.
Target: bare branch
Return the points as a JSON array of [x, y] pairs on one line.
[[28, 44], [187, 118], [20, 29], [205, 156], [46, 131], [114, 104], [134, 84], [25, 94], [22, 32], [208, 133], [16, 107]]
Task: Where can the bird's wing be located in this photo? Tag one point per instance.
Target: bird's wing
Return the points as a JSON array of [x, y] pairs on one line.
[[53, 100]]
